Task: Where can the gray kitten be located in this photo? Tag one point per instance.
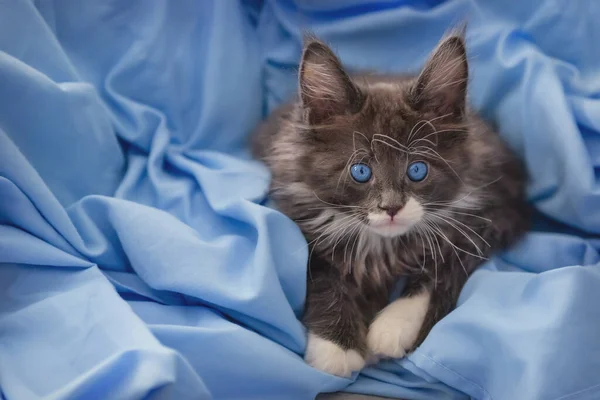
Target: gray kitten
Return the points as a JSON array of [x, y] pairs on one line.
[[388, 177]]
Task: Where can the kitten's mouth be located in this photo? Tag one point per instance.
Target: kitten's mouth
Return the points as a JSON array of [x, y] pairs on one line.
[[390, 227]]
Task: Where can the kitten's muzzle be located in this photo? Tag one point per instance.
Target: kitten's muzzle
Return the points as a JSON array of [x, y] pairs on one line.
[[393, 220]]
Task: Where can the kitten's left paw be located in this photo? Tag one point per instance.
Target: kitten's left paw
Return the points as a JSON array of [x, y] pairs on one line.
[[395, 330], [327, 356]]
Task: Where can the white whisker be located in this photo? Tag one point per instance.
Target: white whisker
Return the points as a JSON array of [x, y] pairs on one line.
[[397, 143], [332, 204], [462, 232], [441, 216], [453, 249], [458, 248], [442, 131], [425, 122], [353, 232], [466, 214], [343, 231]]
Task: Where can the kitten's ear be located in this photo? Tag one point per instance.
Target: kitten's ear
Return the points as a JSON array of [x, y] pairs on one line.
[[442, 85], [325, 88]]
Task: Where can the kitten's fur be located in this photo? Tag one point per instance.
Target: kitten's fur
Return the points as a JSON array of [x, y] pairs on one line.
[[470, 204]]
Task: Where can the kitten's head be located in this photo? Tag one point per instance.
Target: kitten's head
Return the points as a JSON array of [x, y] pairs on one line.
[[387, 152]]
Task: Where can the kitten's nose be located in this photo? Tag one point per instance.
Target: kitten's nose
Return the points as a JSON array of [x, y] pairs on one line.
[[391, 210]]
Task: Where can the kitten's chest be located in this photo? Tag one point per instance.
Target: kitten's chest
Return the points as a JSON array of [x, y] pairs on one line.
[[383, 264], [374, 261]]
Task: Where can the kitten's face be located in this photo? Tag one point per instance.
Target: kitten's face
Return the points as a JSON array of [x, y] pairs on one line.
[[387, 153]]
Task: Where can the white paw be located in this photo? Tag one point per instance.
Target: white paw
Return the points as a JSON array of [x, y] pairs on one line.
[[396, 328], [327, 356]]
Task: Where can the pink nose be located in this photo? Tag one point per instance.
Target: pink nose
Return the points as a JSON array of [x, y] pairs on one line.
[[391, 210]]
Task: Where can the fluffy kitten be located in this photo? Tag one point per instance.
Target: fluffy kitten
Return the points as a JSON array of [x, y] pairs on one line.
[[388, 177]]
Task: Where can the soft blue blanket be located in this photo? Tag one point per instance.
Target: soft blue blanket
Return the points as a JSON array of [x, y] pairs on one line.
[[138, 257]]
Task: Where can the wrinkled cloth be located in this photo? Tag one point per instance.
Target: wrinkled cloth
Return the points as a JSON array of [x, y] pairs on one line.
[[140, 257]]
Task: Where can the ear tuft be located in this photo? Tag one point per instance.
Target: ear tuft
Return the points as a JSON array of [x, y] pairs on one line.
[[442, 85], [325, 88]]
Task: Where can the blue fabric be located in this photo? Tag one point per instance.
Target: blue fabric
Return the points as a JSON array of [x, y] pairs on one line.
[[138, 257]]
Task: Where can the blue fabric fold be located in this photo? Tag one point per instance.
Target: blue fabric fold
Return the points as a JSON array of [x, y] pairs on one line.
[[139, 257]]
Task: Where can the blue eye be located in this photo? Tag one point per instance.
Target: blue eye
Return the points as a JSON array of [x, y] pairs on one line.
[[417, 171], [361, 173]]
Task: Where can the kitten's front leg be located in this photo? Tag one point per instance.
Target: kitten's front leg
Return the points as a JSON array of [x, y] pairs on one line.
[[395, 330], [405, 323], [336, 326]]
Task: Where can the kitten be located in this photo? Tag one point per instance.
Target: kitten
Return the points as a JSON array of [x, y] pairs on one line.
[[388, 177]]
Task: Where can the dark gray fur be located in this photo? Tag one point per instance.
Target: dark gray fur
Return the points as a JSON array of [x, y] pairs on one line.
[[338, 120]]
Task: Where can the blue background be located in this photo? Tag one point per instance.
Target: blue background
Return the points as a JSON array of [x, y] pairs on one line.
[[138, 259]]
